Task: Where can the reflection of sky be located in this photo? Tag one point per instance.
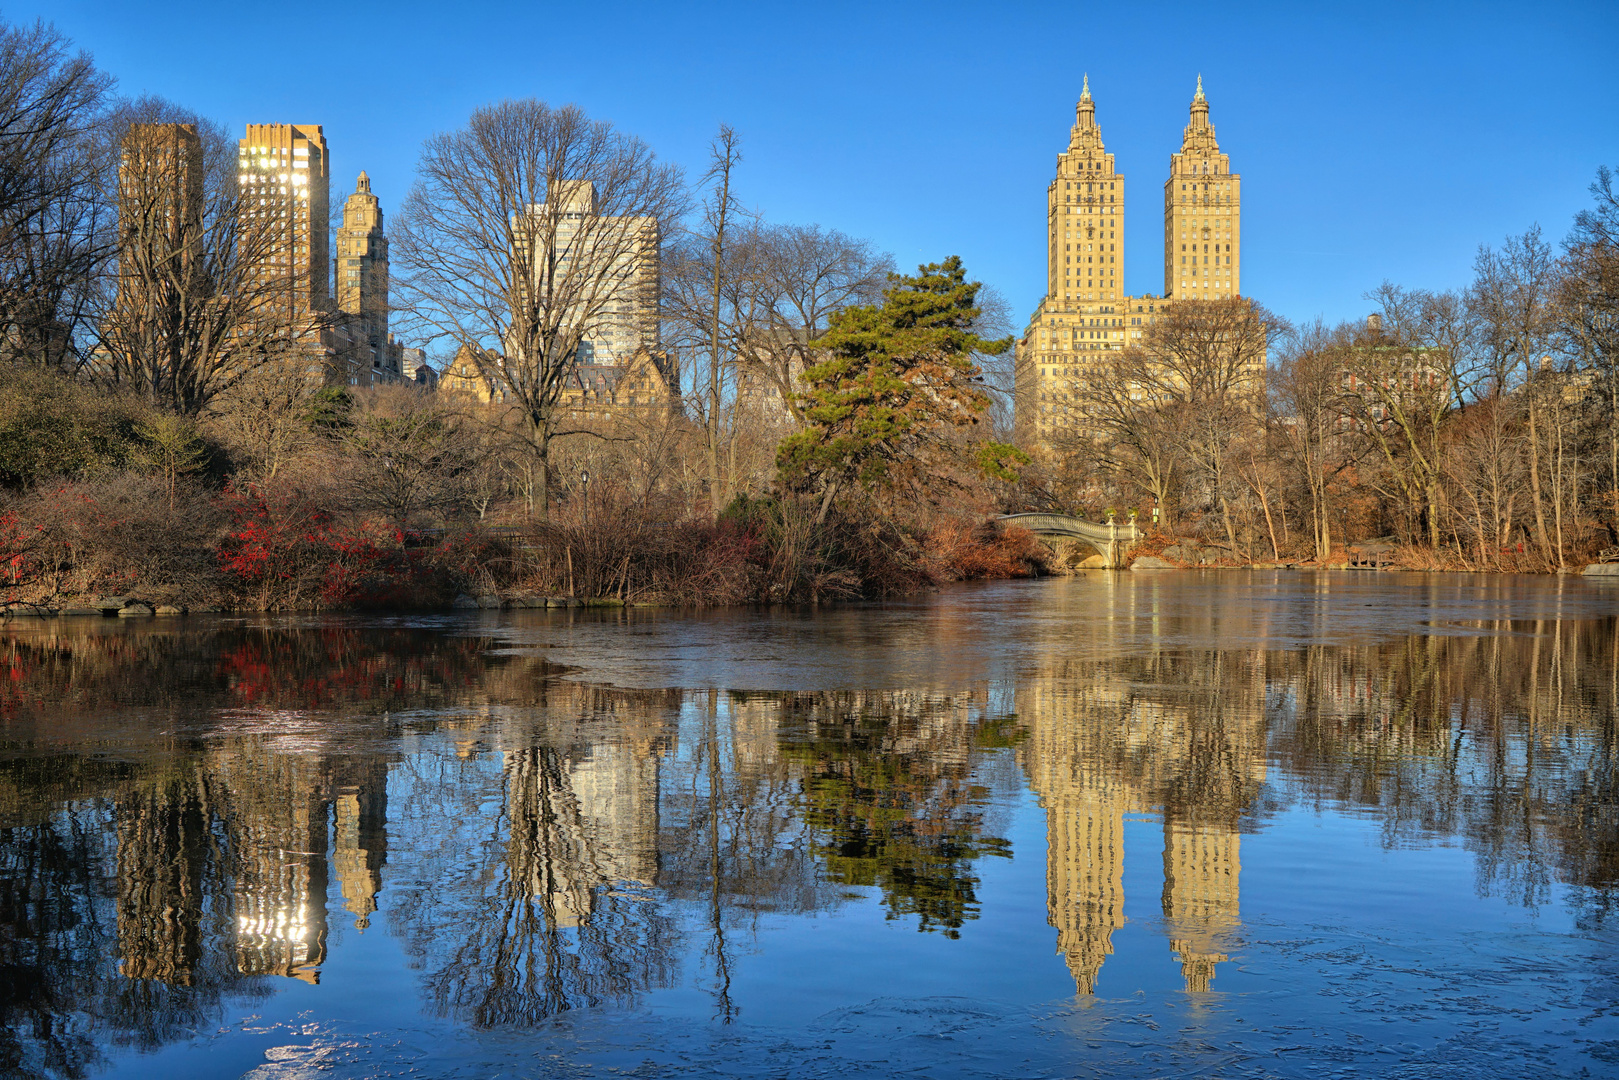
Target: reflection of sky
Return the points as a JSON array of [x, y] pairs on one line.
[[1365, 942], [1344, 956]]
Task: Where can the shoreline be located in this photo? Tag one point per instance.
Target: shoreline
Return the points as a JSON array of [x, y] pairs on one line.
[[142, 610]]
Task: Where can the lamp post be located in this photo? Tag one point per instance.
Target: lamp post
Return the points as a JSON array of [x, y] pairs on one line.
[[584, 481]]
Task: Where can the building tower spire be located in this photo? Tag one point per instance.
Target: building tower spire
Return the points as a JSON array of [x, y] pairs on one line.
[[1200, 113], [1085, 119]]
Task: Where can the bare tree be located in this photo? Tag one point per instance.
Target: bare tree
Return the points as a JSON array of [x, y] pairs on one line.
[[1513, 300], [264, 419], [408, 454], [1588, 306], [719, 216], [767, 298], [523, 231], [792, 280], [1486, 472], [1408, 370], [1203, 363], [53, 222], [188, 312], [1310, 395], [1115, 429]]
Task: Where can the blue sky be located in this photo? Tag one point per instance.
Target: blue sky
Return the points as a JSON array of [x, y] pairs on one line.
[[1376, 140]]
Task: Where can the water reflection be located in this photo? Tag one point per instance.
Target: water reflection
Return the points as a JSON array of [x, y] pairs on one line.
[[189, 818]]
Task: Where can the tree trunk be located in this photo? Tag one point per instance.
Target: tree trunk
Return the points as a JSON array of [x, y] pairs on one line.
[[826, 502], [725, 156], [1613, 452], [542, 445], [1270, 527], [1535, 491]]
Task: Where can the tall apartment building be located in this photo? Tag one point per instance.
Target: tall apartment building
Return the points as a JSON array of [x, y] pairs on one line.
[[362, 261], [160, 243], [282, 169], [1085, 216], [160, 201], [1202, 214], [368, 351], [602, 272], [592, 248], [1086, 317]]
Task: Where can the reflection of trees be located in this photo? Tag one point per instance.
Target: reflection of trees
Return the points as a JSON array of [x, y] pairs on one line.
[[113, 924], [75, 670], [559, 828], [132, 908], [1504, 738], [544, 906], [889, 800]]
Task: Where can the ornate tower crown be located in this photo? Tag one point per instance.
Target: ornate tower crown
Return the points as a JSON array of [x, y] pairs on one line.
[[1086, 136], [1199, 139]]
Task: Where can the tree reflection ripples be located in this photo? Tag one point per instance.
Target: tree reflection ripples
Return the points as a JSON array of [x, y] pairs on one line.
[[187, 818]]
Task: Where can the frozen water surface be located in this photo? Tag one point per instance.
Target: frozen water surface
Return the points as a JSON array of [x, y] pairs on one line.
[[1199, 824]]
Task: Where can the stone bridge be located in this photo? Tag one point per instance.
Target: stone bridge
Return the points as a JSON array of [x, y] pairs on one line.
[[1111, 540]]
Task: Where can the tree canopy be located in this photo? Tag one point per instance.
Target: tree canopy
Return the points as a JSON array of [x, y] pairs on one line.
[[897, 379]]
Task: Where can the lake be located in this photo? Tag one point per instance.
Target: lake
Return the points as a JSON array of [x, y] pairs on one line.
[[1170, 824]]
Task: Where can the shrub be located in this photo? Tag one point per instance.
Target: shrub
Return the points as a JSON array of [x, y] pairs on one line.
[[109, 535], [283, 549], [53, 426]]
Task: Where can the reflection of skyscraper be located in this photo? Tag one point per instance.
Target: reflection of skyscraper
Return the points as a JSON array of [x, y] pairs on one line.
[[580, 824], [1201, 865], [1106, 741], [162, 845], [1085, 803], [1085, 883], [246, 833], [360, 837], [617, 789], [280, 826]]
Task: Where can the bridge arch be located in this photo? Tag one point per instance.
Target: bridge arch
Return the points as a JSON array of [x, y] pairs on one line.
[[1111, 540]]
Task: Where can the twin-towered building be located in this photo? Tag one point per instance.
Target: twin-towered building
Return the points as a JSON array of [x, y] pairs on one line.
[[1085, 219], [1086, 314]]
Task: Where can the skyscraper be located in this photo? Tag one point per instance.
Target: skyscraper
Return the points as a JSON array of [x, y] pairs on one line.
[[159, 200], [1086, 318], [1202, 214], [362, 291], [586, 250], [1085, 215], [594, 273], [362, 260], [282, 170], [161, 269]]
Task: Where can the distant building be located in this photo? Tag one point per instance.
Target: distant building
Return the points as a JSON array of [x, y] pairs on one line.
[[160, 200], [282, 170], [160, 240], [600, 390], [363, 342], [1383, 378], [618, 363], [626, 318], [417, 370], [1086, 319], [1202, 215]]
